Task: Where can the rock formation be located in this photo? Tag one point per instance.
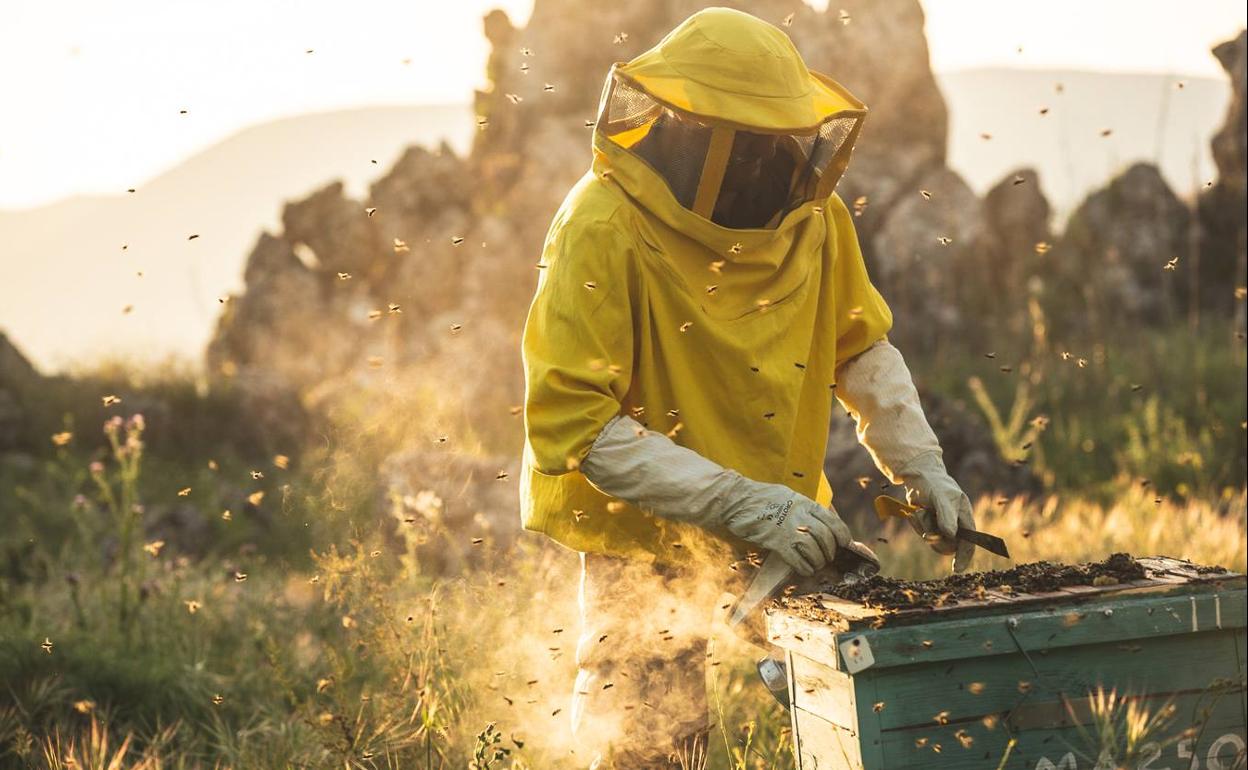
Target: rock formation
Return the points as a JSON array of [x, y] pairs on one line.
[[18, 377], [1221, 207], [1110, 266]]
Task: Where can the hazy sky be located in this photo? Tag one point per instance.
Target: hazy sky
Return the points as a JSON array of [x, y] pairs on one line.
[[90, 91]]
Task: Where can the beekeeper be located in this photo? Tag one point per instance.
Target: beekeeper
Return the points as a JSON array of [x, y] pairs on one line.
[[702, 298]]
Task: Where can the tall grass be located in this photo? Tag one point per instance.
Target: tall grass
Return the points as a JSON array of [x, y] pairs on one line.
[[360, 660], [141, 627]]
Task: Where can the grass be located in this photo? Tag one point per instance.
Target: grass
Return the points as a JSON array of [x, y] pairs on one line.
[[142, 628], [1166, 406], [1070, 530]]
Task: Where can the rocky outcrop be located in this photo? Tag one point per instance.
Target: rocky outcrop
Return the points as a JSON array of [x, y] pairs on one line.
[[920, 252], [18, 378], [1221, 207], [1112, 266]]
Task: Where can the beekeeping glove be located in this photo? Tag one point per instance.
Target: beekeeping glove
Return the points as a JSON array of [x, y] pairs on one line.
[[649, 470], [875, 387]]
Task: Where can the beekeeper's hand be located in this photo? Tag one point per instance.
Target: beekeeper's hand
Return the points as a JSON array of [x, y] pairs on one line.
[[774, 517], [944, 507], [876, 388], [654, 473]]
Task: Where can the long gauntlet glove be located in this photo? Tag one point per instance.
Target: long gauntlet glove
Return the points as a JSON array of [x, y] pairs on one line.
[[877, 390], [656, 474]]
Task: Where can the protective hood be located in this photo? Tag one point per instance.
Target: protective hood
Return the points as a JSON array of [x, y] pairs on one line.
[[720, 130]]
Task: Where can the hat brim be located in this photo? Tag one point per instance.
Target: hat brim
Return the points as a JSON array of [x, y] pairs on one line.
[[824, 99]]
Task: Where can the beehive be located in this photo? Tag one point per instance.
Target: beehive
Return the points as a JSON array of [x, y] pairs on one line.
[[1004, 680]]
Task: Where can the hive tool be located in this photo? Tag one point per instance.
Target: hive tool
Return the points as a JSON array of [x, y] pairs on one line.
[[852, 563], [887, 507]]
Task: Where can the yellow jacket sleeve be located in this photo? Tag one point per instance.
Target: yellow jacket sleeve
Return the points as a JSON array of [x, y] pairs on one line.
[[862, 316], [577, 346]]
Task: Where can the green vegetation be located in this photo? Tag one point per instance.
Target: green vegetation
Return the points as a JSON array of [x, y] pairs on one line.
[[143, 626]]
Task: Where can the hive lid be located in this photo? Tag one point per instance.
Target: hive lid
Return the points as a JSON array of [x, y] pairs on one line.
[[1174, 597]]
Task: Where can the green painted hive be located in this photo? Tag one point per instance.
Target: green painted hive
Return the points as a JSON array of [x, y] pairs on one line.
[[1008, 680]]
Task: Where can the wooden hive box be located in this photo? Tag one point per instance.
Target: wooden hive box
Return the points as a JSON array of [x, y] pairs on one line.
[[950, 687]]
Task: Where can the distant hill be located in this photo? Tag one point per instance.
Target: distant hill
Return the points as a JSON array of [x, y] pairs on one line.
[[66, 278], [1150, 117]]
